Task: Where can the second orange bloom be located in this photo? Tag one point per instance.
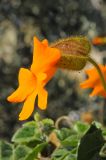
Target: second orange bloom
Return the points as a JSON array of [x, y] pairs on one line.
[[94, 81]]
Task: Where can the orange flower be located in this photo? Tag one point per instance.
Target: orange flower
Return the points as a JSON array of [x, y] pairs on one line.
[[32, 81], [94, 81], [99, 41]]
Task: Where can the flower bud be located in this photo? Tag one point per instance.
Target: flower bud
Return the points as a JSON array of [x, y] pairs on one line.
[[74, 52]]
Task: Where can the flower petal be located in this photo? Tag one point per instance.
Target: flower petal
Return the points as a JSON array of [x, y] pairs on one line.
[[43, 57], [103, 93], [42, 99], [50, 74], [29, 102], [27, 83], [87, 84], [97, 91], [45, 42], [94, 81], [28, 106]]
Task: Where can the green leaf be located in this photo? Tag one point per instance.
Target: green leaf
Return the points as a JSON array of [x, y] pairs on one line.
[[27, 134], [70, 157], [48, 125], [80, 127], [63, 154], [59, 154], [48, 121], [30, 123], [63, 133], [97, 124], [90, 144], [6, 151], [20, 152], [104, 132], [34, 153], [74, 151], [71, 141], [102, 152]]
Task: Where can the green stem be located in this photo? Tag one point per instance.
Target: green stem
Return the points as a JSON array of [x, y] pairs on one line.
[[99, 71]]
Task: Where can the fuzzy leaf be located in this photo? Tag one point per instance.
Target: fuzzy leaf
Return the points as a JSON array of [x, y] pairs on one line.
[[21, 152], [64, 133], [27, 134], [6, 151], [48, 125], [34, 153], [60, 154], [30, 123], [102, 152], [71, 141], [80, 127]]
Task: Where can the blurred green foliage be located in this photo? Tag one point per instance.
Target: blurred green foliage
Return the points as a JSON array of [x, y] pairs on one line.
[[41, 140]]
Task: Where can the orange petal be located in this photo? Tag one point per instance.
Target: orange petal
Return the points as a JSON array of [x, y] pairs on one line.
[[43, 56], [27, 83], [29, 102], [87, 84], [50, 74], [97, 40], [41, 77], [28, 106], [18, 96], [38, 52], [45, 42], [93, 72], [53, 55], [103, 93], [97, 91], [94, 81], [90, 72], [42, 99]]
